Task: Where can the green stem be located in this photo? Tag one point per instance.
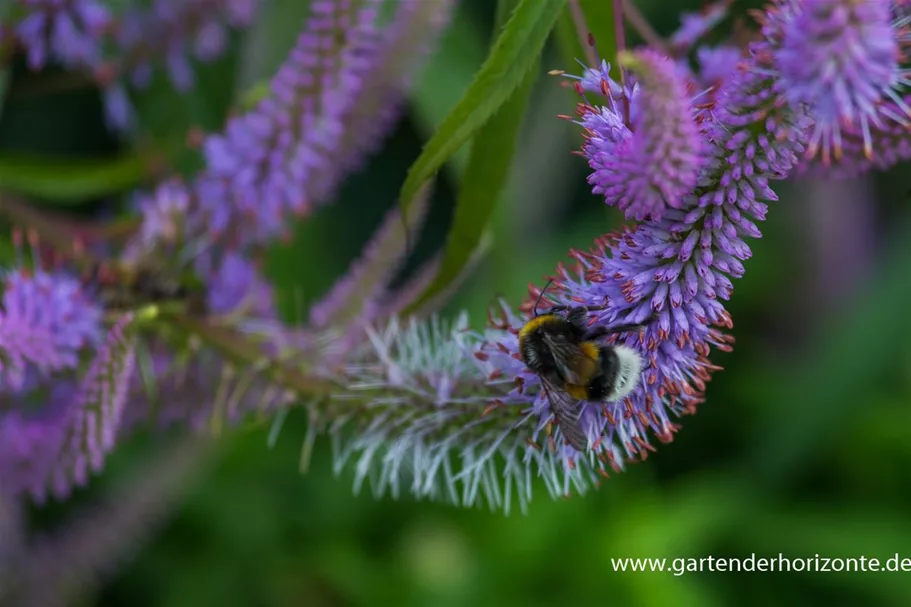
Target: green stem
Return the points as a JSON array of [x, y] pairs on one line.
[[243, 350]]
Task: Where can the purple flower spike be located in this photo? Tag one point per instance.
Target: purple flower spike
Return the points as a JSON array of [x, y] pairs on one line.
[[45, 321], [655, 165], [95, 411], [261, 169], [840, 58], [29, 445], [329, 104], [56, 447]]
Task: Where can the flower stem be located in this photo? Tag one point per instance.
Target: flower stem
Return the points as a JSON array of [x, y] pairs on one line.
[[620, 39], [643, 27], [583, 32], [243, 350]]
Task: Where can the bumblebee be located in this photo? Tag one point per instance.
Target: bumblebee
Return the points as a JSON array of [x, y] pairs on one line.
[[560, 347]]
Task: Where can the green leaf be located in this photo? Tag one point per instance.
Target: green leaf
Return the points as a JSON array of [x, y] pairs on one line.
[[599, 22], [514, 53], [460, 53], [65, 181], [485, 176]]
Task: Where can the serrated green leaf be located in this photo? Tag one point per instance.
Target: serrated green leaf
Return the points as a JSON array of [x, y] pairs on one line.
[[599, 22], [64, 181], [460, 53], [484, 179], [514, 53]]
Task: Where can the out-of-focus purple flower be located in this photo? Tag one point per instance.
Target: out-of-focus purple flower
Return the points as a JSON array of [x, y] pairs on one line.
[[889, 141], [69, 32], [694, 26], [95, 410], [177, 30], [841, 59], [233, 283], [29, 446], [260, 171], [716, 64], [45, 321], [288, 155], [57, 433], [164, 213], [654, 165]]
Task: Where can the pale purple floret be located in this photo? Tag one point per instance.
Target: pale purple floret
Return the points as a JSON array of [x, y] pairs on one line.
[[652, 166], [840, 58], [46, 320]]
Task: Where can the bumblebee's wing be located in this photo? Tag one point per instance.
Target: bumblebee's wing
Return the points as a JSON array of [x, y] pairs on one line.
[[574, 365], [568, 412]]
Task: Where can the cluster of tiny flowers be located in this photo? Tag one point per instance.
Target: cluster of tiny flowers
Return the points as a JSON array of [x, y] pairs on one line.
[[56, 421]]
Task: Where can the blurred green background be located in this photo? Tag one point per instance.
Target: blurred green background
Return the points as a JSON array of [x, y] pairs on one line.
[[801, 448]]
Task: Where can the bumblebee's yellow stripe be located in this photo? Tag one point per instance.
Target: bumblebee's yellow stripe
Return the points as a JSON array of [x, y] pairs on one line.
[[536, 323], [590, 349]]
